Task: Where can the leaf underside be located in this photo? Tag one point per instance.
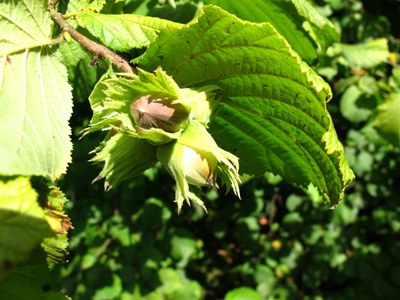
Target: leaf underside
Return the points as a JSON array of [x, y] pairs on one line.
[[34, 93], [23, 24], [273, 114]]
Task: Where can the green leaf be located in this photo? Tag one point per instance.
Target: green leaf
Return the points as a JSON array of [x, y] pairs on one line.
[[35, 95], [27, 282], [242, 293], [355, 105], [302, 25], [22, 223], [319, 28], [97, 5], [36, 106], [56, 248], [124, 32], [387, 121], [110, 292], [273, 113], [175, 286], [183, 246], [71, 53], [24, 24], [83, 5], [189, 290], [152, 215], [366, 55]]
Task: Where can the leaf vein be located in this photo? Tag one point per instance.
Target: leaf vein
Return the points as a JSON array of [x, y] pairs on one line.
[[34, 18]]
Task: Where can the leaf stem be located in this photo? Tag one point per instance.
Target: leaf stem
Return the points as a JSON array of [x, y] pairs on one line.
[[93, 47]]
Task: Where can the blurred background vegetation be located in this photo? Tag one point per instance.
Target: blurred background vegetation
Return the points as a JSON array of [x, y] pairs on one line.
[[275, 243]]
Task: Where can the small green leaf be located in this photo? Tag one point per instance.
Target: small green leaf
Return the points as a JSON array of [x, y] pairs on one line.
[[83, 5], [124, 32], [22, 223], [175, 285], [387, 121], [110, 292], [366, 55], [293, 202], [356, 106], [273, 112], [170, 280], [56, 248], [189, 290], [183, 246], [96, 5], [242, 293], [71, 53]]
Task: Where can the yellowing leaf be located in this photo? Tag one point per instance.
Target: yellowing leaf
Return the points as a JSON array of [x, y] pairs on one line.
[[22, 222]]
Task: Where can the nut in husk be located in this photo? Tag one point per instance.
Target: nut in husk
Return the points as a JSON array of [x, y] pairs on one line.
[[196, 159], [157, 111]]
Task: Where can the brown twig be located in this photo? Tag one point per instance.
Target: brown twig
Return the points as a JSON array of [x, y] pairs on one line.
[[93, 47]]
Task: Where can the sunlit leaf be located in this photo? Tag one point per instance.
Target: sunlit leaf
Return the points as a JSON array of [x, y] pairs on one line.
[[273, 114], [124, 32], [23, 24], [22, 223], [387, 120], [242, 293], [355, 105], [71, 53], [34, 93], [302, 25], [366, 55], [84, 5], [36, 106], [110, 292]]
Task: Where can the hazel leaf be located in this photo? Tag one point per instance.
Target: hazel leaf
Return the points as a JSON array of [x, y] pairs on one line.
[[272, 113]]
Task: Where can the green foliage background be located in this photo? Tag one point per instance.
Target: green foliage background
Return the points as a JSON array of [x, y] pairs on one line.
[[275, 243]]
